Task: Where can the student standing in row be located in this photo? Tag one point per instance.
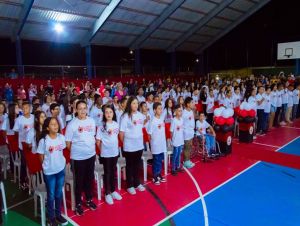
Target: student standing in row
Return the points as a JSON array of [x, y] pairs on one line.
[[131, 134], [50, 148], [157, 137], [80, 139], [107, 141]]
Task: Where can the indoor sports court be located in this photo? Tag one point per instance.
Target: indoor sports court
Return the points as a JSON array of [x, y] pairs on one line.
[[149, 112]]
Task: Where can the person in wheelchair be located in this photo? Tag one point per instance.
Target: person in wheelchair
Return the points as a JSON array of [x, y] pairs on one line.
[[205, 131]]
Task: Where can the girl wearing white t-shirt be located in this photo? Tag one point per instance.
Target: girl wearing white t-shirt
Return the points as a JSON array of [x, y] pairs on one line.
[[107, 141], [131, 134], [288, 114], [229, 101], [273, 101], [210, 106], [210, 138], [260, 109], [46, 105], [177, 139], [157, 137], [96, 111], [80, 140], [35, 133], [50, 148], [296, 96], [267, 109], [279, 105]]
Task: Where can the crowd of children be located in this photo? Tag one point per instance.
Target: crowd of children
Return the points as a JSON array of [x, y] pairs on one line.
[[113, 116]]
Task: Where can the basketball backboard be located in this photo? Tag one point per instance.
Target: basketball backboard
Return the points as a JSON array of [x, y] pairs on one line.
[[288, 50]]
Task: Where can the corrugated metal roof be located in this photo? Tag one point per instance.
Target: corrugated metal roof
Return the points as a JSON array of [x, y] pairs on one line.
[[128, 21], [6, 28], [10, 11]]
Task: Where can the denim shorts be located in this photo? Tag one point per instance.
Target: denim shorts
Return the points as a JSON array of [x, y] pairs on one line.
[[273, 109]]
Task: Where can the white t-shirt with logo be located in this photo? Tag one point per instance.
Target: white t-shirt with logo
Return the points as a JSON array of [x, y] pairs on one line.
[[253, 103], [140, 98], [46, 109], [133, 131], [274, 98], [52, 149], [296, 96], [259, 97], [150, 108], [284, 96], [229, 102], [30, 139], [167, 115], [96, 114], [188, 124], [119, 113], [82, 135], [22, 126], [267, 103], [2, 120], [109, 139], [6, 127], [237, 100], [210, 104], [290, 98], [279, 98], [202, 126], [177, 132], [156, 129]]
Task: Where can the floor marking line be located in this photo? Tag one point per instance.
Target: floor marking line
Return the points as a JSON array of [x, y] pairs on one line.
[[204, 207], [222, 184], [70, 220], [268, 145], [20, 203]]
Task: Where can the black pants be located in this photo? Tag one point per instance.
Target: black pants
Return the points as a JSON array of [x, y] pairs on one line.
[[23, 176], [133, 160], [204, 109], [210, 117], [83, 171], [260, 120], [109, 165], [276, 119]]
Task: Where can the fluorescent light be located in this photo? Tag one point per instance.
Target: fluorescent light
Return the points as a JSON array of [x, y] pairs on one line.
[[58, 28]]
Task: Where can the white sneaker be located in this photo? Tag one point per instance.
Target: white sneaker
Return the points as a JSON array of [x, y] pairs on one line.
[[109, 200], [140, 188], [131, 191], [116, 196]]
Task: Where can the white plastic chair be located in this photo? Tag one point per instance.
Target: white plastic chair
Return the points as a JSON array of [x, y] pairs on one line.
[[40, 191], [121, 166], [69, 184], [4, 156], [3, 197], [147, 155], [99, 172]]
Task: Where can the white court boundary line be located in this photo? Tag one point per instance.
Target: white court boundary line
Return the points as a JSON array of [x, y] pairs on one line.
[[268, 145], [204, 207], [222, 184]]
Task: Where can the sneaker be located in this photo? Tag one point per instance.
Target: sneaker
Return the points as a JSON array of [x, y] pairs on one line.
[[61, 220], [90, 204], [131, 191], [191, 163], [161, 179], [79, 210], [156, 181], [174, 173], [141, 188], [254, 137], [109, 199], [282, 123], [116, 196], [52, 222], [188, 164]]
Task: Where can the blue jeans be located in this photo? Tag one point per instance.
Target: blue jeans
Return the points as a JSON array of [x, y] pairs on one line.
[[295, 109], [176, 157], [283, 111], [54, 184], [265, 122], [157, 164], [210, 143]]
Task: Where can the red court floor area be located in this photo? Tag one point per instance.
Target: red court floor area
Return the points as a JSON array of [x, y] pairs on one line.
[[157, 202]]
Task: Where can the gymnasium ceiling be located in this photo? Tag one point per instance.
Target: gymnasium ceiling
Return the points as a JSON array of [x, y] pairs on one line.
[[181, 25]]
